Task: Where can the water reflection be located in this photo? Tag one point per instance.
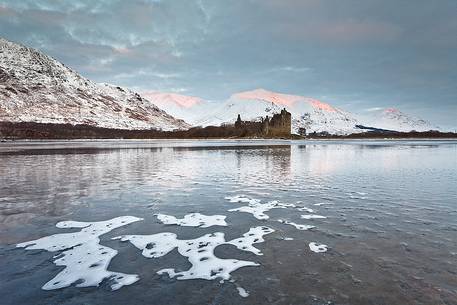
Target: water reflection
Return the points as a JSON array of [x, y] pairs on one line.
[[388, 208]]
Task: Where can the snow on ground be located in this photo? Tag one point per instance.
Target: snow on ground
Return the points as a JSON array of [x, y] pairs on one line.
[[85, 260], [194, 220], [317, 248], [199, 252]]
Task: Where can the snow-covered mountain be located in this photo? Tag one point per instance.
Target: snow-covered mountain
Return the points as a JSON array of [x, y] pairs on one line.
[[37, 88], [187, 108], [306, 112], [394, 119], [309, 113]]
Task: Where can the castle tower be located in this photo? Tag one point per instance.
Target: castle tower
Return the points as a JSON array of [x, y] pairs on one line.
[[238, 122]]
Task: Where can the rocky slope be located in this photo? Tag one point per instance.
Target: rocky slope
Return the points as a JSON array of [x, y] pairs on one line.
[[37, 88]]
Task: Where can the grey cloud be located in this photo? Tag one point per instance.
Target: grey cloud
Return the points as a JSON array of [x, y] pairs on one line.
[[354, 54]]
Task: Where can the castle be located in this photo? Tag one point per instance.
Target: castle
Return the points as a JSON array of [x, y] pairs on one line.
[[279, 125]]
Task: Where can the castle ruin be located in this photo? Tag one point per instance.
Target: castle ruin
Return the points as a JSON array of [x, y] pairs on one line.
[[279, 125]]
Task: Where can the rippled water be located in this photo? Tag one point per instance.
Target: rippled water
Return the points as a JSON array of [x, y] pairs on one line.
[[389, 218]]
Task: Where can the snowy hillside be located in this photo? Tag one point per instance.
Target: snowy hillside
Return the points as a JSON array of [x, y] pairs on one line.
[[394, 119], [309, 113], [36, 88], [252, 105]]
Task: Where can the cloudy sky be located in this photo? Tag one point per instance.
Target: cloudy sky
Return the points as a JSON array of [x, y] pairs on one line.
[[358, 55]]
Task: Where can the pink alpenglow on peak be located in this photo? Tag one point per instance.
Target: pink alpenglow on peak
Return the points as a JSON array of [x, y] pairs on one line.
[[269, 96], [187, 108], [321, 105], [164, 98], [391, 110], [281, 99]]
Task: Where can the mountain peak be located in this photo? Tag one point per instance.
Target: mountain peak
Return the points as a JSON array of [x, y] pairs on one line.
[[37, 88], [395, 119], [391, 110], [269, 96], [282, 99], [164, 98]]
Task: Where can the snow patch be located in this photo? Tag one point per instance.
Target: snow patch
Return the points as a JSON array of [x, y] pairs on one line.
[[194, 220], [85, 260]]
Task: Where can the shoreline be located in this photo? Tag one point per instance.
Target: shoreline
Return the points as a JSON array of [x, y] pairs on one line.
[[31, 131]]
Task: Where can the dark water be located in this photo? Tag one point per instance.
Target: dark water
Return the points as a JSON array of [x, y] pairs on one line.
[[391, 225]]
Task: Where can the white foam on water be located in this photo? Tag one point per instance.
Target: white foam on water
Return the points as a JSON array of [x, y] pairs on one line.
[[242, 292], [85, 260], [312, 216], [305, 209], [199, 252], [357, 195], [255, 207], [317, 248], [297, 226], [193, 220], [254, 236], [242, 199], [323, 203]]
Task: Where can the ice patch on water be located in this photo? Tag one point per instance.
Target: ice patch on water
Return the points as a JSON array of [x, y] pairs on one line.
[[305, 209], [242, 199], [312, 216], [194, 220], [199, 252], [357, 195], [254, 236], [323, 203], [255, 207], [85, 260], [297, 226], [242, 292], [317, 248]]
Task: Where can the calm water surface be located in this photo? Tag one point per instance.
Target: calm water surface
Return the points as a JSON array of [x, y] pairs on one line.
[[390, 226]]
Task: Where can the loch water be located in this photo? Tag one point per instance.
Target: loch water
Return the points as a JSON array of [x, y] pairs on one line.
[[385, 210]]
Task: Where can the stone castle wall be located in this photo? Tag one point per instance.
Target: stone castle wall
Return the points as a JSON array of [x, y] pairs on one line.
[[279, 125]]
